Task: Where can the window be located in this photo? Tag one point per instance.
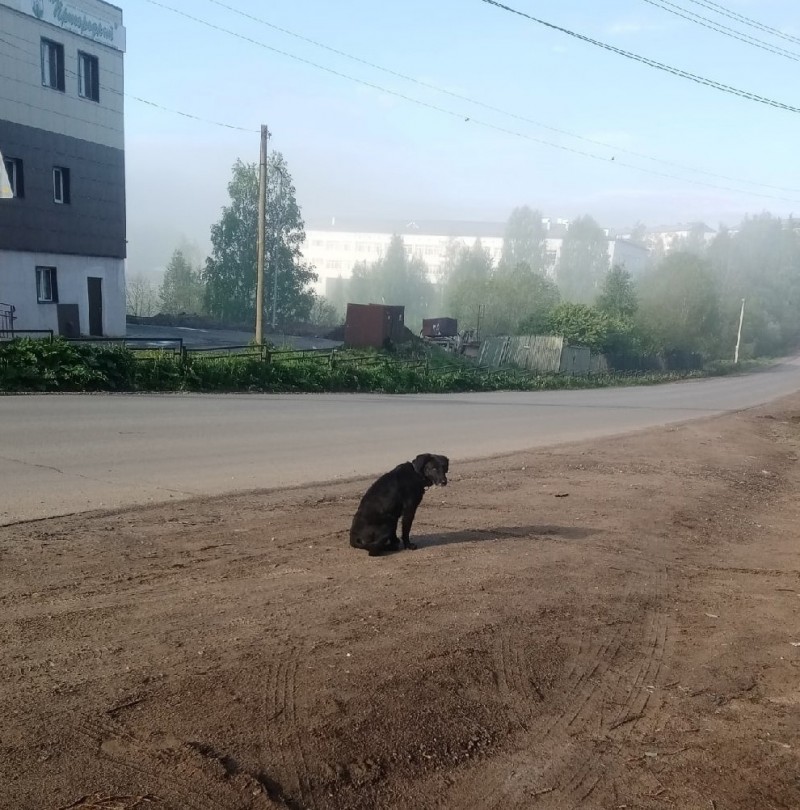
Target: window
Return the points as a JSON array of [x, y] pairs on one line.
[[53, 64], [88, 76], [15, 176], [46, 285], [61, 185]]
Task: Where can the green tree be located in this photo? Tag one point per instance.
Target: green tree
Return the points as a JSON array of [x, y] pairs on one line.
[[396, 279], [467, 283], [581, 325], [324, 313], [524, 239], [520, 301], [618, 294], [760, 262], [182, 286], [230, 271], [679, 308], [583, 261]]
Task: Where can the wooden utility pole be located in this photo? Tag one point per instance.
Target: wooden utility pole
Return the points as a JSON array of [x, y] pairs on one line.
[[262, 222], [739, 336], [275, 251]]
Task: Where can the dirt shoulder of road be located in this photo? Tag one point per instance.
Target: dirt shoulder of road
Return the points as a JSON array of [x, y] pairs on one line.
[[603, 625]]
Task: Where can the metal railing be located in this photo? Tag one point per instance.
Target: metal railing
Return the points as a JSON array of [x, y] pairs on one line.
[[6, 320]]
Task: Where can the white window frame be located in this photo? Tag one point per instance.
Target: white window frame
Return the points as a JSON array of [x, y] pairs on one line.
[[46, 285], [88, 80], [56, 82], [61, 192]]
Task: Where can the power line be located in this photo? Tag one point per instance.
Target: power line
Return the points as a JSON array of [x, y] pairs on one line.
[[461, 116], [749, 21], [684, 74], [712, 25], [493, 108], [437, 108], [114, 90]]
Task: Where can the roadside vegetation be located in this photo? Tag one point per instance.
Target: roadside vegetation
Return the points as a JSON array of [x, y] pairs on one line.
[[29, 365]]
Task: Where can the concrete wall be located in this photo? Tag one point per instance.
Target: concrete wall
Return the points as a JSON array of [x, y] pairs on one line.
[[18, 287]]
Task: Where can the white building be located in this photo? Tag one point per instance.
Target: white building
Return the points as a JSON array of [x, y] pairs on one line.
[[633, 256], [665, 239], [62, 233], [336, 247]]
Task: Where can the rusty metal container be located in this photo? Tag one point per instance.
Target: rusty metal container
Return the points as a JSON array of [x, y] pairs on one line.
[[370, 325]]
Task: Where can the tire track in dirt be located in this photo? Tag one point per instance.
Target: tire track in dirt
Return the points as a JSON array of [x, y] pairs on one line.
[[628, 690], [516, 683], [581, 685], [594, 679], [280, 736], [635, 697]]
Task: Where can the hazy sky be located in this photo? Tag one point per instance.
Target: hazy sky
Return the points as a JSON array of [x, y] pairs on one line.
[[355, 150]]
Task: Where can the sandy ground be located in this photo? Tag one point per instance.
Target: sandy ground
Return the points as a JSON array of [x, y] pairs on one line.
[[608, 625]]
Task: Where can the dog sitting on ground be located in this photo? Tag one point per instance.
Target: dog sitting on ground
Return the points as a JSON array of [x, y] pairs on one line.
[[394, 495]]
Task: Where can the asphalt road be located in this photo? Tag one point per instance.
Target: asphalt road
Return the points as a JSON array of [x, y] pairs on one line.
[[214, 338], [70, 453]]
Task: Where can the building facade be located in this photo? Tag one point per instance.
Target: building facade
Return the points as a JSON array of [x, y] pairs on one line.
[[667, 239], [62, 232], [334, 248]]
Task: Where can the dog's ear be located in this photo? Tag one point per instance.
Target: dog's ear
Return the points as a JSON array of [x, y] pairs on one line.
[[420, 461]]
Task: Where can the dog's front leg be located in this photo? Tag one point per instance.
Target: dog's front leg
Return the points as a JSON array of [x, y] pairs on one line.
[[408, 518]]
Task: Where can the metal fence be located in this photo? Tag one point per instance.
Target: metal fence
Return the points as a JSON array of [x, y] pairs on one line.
[[6, 320], [542, 353]]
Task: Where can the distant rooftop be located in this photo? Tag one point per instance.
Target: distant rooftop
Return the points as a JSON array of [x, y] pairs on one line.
[[689, 226]]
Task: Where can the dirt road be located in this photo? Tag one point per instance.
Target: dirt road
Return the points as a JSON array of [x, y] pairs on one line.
[[608, 625]]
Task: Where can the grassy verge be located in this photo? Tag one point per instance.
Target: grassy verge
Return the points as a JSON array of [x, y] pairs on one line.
[[34, 365]]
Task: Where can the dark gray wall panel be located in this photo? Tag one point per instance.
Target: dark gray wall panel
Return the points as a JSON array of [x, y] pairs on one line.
[[93, 224]]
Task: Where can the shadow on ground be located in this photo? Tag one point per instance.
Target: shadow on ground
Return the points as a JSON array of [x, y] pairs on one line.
[[503, 533]]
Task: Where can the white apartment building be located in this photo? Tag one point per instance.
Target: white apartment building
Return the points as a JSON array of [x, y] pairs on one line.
[[667, 238], [62, 218], [334, 248]]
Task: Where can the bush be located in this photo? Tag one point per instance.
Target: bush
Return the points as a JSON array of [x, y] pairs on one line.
[[27, 364], [38, 365]]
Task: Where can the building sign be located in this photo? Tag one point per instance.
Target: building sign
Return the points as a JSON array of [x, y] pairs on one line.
[[71, 17]]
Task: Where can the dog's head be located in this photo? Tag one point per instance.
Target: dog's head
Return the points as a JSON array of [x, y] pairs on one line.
[[432, 468]]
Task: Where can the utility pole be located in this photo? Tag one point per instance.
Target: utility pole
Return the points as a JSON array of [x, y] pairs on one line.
[[274, 254], [262, 221], [739, 336]]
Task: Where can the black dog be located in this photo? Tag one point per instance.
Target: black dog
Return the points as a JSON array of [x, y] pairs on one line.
[[395, 494]]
